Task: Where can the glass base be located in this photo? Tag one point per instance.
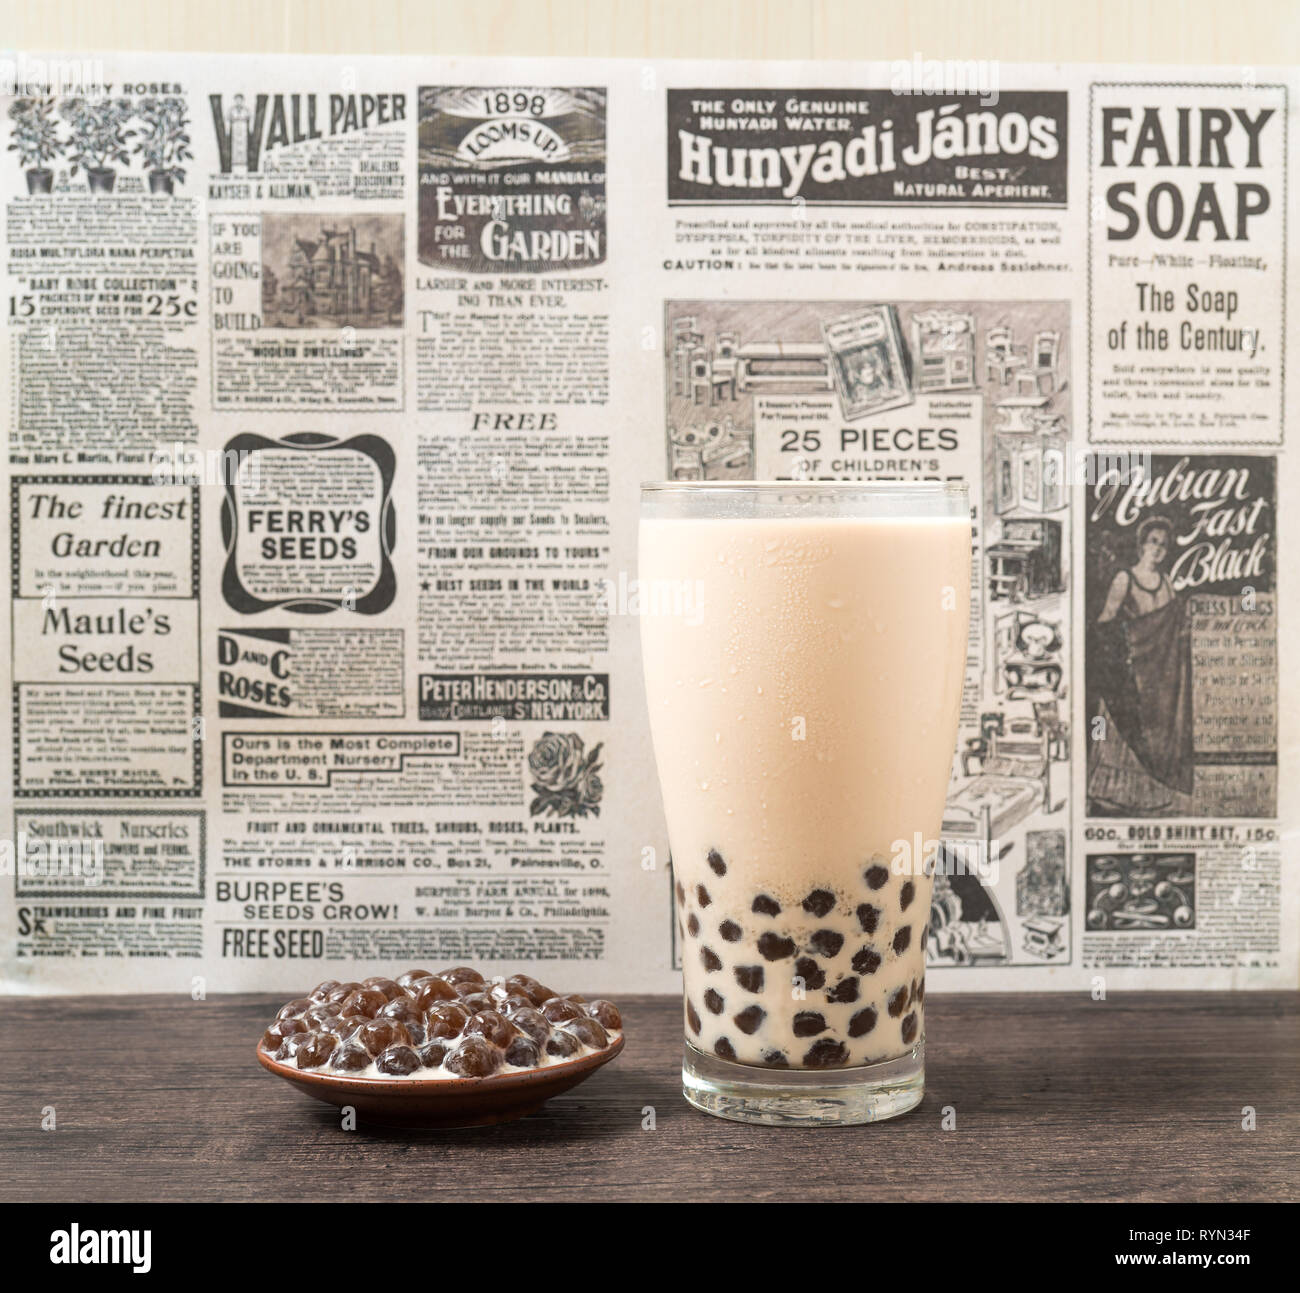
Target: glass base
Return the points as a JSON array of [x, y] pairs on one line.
[[804, 1097]]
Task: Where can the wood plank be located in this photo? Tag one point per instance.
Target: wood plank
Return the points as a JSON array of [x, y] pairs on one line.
[[1055, 1097]]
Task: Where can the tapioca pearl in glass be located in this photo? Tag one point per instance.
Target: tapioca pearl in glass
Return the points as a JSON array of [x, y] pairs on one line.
[[750, 977], [866, 960], [826, 943], [716, 864], [876, 876], [764, 905], [845, 992], [819, 902], [775, 947], [808, 973], [868, 917], [749, 1019]]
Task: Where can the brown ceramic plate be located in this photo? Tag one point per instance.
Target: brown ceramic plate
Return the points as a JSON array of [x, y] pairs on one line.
[[443, 1102]]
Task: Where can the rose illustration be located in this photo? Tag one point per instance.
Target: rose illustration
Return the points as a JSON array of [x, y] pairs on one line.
[[565, 777]]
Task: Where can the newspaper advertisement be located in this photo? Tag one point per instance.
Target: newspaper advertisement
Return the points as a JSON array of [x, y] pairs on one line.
[[331, 383]]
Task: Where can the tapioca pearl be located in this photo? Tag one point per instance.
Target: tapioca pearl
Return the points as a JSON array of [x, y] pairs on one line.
[[905, 895], [844, 992], [681, 894], [693, 1017], [826, 1054], [730, 931], [819, 902], [774, 947], [862, 1022], [702, 895], [909, 1028], [775, 1060], [808, 1023], [723, 1049], [765, 906], [902, 939], [868, 917], [826, 942], [866, 960], [876, 876], [898, 1002], [713, 1002], [808, 974], [920, 991], [716, 864], [693, 924], [710, 959], [749, 1019], [750, 977]]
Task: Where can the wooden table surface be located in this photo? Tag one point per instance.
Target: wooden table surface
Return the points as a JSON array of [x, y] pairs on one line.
[[1141, 1097]]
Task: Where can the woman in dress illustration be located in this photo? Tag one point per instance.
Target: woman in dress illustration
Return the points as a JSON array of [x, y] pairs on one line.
[[1140, 758]]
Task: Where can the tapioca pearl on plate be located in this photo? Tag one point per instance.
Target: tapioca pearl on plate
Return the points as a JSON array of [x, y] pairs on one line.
[[898, 1002], [589, 1032], [557, 1010], [716, 864], [432, 1054], [862, 1022], [692, 1017], [749, 1019], [827, 1053], [389, 987], [410, 978], [562, 1044], [750, 977], [531, 1021], [710, 960], [909, 1028], [905, 895], [775, 947], [765, 906], [713, 1002], [523, 1053], [429, 992], [809, 974], [693, 925], [349, 1057], [474, 1057], [280, 1030], [866, 960], [316, 1050], [723, 1049], [403, 1009], [868, 917], [876, 876], [775, 1059], [605, 1013], [398, 1061], [702, 895], [323, 989], [826, 942], [730, 931], [462, 974], [295, 1009], [379, 1034], [845, 992], [808, 1023], [902, 939], [819, 902], [364, 1001]]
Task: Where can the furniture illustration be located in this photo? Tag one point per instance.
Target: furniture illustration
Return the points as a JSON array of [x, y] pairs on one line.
[[686, 339], [1029, 468], [792, 366], [1001, 358], [1026, 560], [943, 347], [1044, 356]]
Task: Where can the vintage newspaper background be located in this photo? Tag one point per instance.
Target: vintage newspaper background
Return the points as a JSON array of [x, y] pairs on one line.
[[329, 384]]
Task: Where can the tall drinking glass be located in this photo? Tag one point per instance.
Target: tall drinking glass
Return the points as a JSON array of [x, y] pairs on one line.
[[804, 649]]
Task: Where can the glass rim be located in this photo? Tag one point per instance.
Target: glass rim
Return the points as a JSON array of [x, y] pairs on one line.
[[931, 488]]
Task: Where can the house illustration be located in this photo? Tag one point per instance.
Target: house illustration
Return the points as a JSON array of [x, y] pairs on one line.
[[332, 276]]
